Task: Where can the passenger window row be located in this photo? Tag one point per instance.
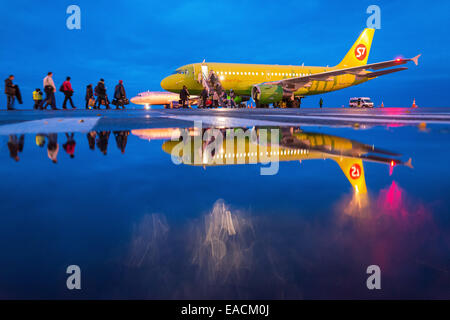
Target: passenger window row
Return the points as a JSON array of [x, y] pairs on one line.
[[282, 74]]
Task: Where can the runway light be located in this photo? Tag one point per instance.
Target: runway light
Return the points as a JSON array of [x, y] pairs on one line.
[[392, 163], [398, 59], [147, 107]]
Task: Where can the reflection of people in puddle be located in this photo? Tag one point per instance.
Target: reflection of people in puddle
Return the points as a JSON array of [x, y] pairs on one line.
[[121, 139], [40, 140], [102, 141], [15, 145], [91, 139], [53, 147], [69, 146]]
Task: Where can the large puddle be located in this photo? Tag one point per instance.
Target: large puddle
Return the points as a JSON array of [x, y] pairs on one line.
[[290, 213]]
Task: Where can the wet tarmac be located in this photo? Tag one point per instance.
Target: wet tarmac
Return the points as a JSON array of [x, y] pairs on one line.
[[299, 215]]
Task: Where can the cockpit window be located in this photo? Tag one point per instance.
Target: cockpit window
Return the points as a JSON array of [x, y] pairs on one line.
[[180, 71]]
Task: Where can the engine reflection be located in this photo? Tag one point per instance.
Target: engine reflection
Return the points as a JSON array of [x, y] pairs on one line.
[[222, 245]]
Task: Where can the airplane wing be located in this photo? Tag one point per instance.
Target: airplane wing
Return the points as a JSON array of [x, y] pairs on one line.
[[293, 84]]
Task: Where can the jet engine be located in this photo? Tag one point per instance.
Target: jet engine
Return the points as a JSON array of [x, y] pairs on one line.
[[267, 93]]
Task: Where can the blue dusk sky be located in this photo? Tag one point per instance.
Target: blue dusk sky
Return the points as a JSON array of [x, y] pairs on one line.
[[141, 42]]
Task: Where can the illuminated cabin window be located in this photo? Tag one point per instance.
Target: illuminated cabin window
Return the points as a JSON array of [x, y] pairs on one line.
[[253, 73], [262, 73], [245, 73], [233, 73], [257, 73]]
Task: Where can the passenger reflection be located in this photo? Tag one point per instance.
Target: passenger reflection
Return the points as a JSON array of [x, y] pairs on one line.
[[15, 145], [102, 141], [40, 140], [53, 147], [91, 139], [121, 139], [69, 146]]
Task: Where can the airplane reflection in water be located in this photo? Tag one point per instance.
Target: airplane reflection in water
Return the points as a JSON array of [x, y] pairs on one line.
[[292, 144]]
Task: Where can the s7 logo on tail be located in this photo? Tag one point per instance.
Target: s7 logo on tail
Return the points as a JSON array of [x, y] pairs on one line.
[[355, 171], [360, 52]]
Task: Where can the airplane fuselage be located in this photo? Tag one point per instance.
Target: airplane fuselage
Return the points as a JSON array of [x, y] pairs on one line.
[[242, 77]]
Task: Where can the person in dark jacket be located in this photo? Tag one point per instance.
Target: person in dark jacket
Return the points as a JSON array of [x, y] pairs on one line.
[[232, 99], [68, 92], [89, 95], [15, 145], [120, 95], [121, 139], [91, 135], [204, 97], [184, 96], [102, 97], [102, 141], [49, 89], [10, 91]]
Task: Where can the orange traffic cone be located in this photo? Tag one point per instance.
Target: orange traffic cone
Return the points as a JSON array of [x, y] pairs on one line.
[[382, 104], [414, 105]]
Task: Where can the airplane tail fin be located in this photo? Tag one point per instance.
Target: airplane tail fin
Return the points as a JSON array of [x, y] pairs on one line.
[[359, 52], [409, 163], [416, 59], [354, 171]]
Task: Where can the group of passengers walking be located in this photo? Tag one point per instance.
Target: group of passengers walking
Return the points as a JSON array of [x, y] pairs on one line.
[[208, 100], [12, 92], [217, 99]]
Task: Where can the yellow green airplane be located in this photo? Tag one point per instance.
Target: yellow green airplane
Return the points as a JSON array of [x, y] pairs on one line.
[[287, 84], [294, 144]]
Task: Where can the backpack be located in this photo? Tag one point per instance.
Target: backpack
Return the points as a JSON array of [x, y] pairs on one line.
[[61, 88]]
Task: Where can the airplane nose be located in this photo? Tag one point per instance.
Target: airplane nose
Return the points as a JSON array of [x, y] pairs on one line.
[[165, 83]]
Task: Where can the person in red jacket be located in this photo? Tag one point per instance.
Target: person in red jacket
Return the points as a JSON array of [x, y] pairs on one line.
[[68, 92]]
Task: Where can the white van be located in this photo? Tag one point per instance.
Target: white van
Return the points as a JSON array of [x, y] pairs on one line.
[[361, 102]]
